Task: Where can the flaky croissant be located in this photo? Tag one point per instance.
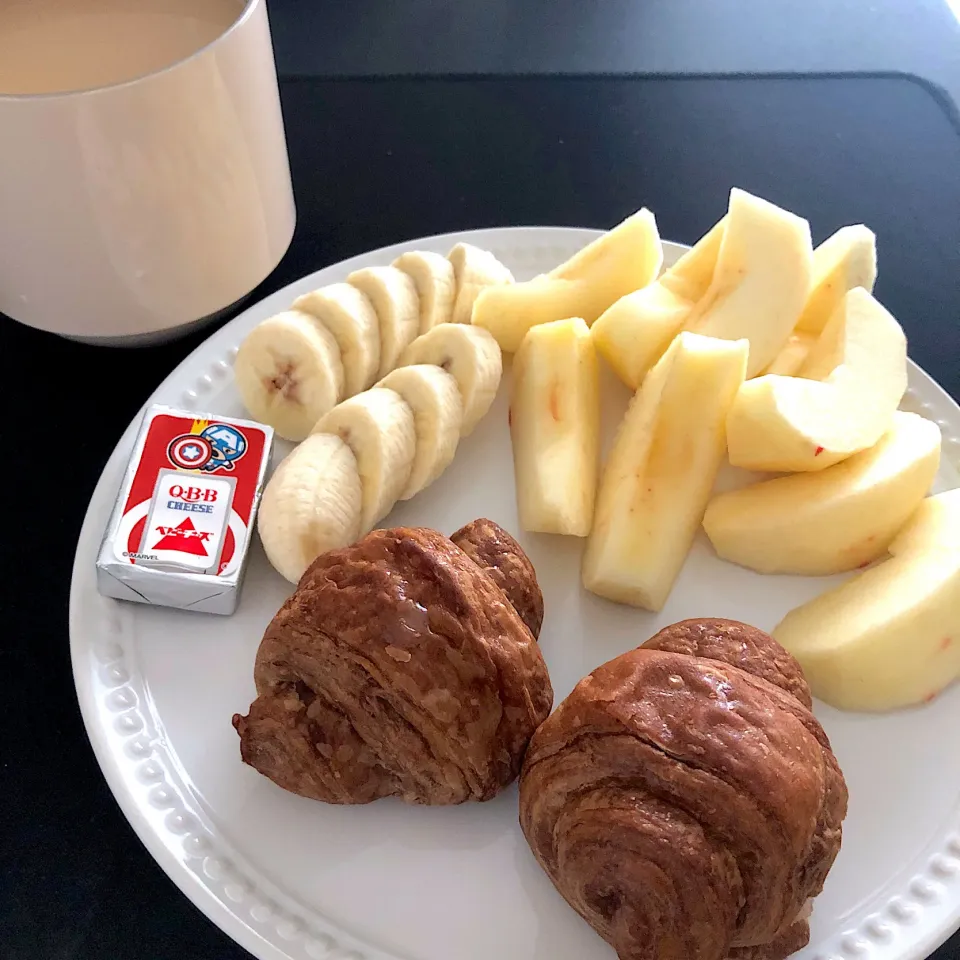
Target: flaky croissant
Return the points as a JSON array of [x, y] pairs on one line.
[[684, 800], [400, 667]]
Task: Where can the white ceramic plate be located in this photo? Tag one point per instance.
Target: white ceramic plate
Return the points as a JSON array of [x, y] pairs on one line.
[[288, 877]]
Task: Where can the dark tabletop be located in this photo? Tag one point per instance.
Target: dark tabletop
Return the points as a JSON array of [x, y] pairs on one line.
[[377, 37], [374, 162]]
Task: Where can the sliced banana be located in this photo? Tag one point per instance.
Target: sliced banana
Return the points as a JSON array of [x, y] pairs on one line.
[[474, 269], [288, 373], [436, 285], [349, 315], [311, 504], [471, 356], [378, 426], [394, 297], [434, 397]]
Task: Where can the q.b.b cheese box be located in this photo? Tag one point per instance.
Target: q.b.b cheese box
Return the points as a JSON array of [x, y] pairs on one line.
[[181, 529]]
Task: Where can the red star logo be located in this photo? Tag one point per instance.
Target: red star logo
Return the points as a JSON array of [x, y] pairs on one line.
[[183, 537]]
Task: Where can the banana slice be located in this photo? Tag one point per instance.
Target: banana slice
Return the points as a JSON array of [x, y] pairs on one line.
[[434, 397], [288, 373], [311, 504], [378, 426], [394, 298], [474, 269], [436, 285], [473, 358], [349, 315]]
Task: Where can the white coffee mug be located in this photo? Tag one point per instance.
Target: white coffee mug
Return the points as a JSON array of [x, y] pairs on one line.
[[132, 212]]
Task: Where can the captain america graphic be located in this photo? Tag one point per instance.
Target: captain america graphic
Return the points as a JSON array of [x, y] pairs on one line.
[[218, 446]]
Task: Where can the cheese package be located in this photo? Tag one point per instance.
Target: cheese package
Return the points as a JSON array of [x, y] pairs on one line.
[[182, 525]]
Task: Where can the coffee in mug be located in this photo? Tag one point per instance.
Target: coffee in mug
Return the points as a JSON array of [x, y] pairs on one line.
[[57, 46]]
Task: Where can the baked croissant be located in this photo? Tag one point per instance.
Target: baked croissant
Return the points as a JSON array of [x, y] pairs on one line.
[[684, 800], [400, 667]]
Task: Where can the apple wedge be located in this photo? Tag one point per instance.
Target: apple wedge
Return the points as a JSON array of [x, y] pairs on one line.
[[761, 279], [625, 259], [632, 334], [789, 361], [931, 525], [792, 423], [838, 519], [631, 251], [555, 428], [889, 637], [658, 477], [824, 352], [845, 260], [690, 277]]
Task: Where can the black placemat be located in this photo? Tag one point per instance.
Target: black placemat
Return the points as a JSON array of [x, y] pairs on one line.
[[376, 162]]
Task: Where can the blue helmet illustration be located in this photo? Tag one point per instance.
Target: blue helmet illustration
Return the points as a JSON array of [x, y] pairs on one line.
[[228, 444]]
